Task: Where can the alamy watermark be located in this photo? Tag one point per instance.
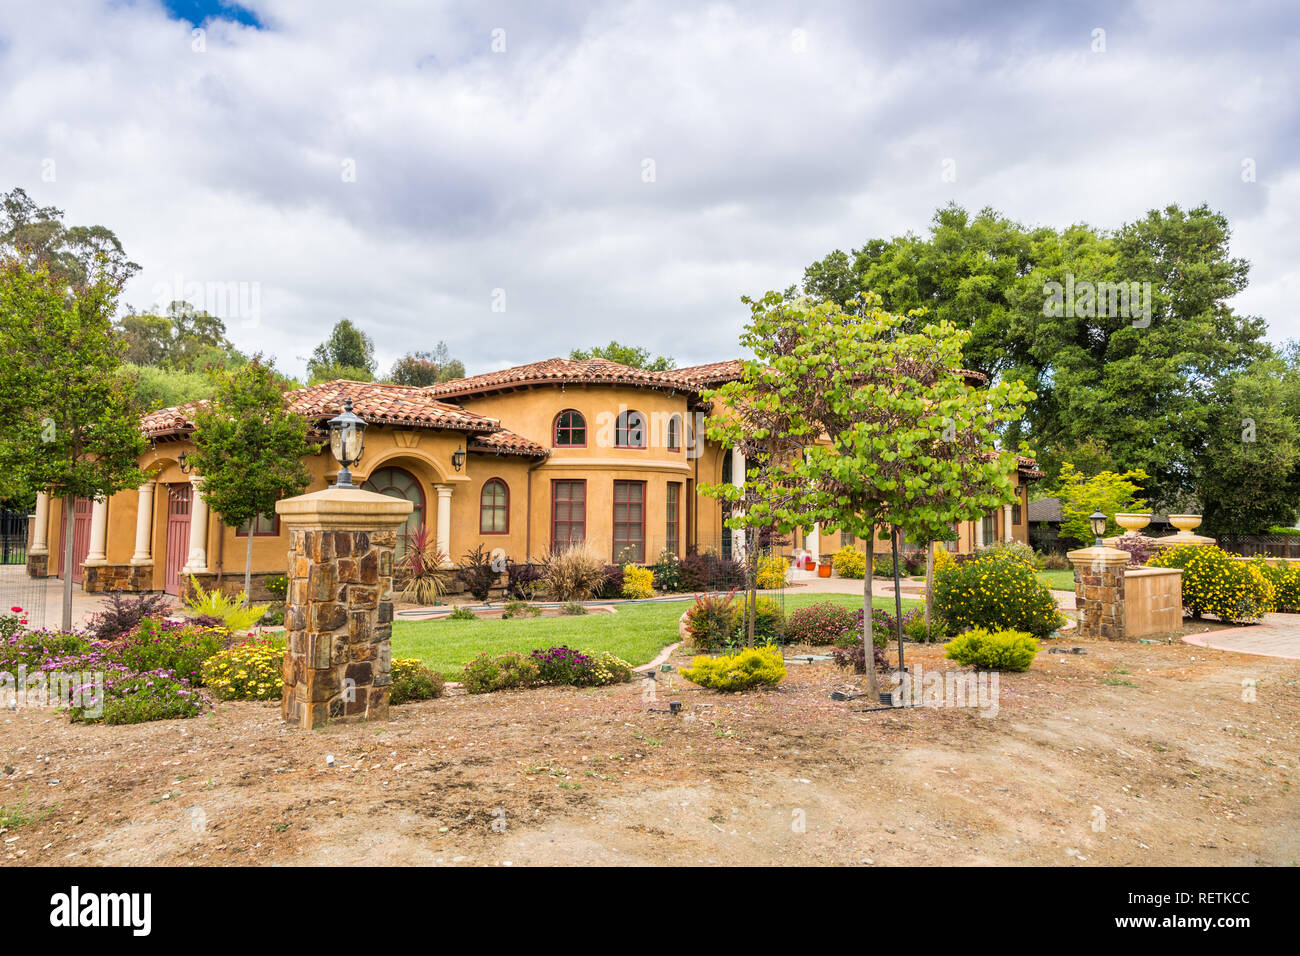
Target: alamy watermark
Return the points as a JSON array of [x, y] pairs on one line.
[[1123, 300], [83, 690], [228, 301], [964, 688]]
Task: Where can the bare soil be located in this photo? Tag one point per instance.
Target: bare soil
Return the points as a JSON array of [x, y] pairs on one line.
[[1153, 741]]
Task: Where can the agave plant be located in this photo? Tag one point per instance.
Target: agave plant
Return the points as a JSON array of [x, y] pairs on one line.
[[422, 570]]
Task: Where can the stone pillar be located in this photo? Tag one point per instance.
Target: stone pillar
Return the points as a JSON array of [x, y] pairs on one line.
[[197, 560], [339, 606], [737, 479], [1006, 523], [444, 523], [1099, 591], [144, 524], [97, 553]]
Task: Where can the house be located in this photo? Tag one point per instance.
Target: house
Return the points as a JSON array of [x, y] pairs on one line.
[[520, 461]]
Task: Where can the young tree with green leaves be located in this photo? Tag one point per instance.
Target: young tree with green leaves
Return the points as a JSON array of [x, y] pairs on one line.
[[1109, 492], [249, 448], [347, 354], [632, 356], [71, 426]]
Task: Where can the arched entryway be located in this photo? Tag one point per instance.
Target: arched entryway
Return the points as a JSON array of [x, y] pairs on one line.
[[400, 483]]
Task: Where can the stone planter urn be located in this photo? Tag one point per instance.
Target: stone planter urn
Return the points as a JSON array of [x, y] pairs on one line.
[[1188, 523], [1133, 523]]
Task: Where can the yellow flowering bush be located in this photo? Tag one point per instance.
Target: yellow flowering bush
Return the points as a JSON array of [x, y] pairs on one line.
[[1216, 582], [942, 558], [849, 562], [1285, 578], [249, 671], [638, 582], [411, 680], [771, 573], [998, 591], [749, 668]]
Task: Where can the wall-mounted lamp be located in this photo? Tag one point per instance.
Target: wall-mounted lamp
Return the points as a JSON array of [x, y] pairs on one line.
[[183, 459], [458, 458]]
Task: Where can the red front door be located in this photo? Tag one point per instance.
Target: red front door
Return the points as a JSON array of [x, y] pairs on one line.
[[80, 537], [178, 534]]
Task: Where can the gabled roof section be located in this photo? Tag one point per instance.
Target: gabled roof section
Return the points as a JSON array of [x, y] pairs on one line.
[[507, 443], [710, 375], [554, 371], [377, 403]]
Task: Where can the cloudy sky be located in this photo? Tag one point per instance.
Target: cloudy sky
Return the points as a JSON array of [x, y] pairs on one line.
[[522, 178]]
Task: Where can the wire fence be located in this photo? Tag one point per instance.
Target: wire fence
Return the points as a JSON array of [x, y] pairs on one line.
[[17, 590]]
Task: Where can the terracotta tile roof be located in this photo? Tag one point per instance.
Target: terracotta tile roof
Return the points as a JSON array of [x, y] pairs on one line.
[[1025, 466], [377, 403], [555, 371], [508, 443], [714, 373]]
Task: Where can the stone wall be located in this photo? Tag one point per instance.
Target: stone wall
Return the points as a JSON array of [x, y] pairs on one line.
[[1099, 600], [231, 583], [339, 626], [117, 577]]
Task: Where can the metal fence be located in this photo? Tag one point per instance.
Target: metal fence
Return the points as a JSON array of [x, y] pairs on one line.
[[13, 537], [17, 590]]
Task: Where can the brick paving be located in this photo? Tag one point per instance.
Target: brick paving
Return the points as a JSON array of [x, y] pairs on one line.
[[1278, 636]]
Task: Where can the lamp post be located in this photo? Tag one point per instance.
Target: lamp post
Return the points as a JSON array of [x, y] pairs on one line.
[[347, 442], [1098, 522]]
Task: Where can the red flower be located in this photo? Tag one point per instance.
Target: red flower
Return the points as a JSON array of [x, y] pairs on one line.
[[16, 610]]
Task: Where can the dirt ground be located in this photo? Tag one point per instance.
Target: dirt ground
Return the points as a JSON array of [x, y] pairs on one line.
[[1128, 754]]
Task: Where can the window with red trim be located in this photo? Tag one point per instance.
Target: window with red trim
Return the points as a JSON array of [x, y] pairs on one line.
[[568, 513], [629, 430], [570, 429], [494, 507], [675, 433], [629, 521], [673, 524]]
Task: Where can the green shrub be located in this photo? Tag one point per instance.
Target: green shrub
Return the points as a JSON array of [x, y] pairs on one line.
[[462, 613], [274, 616], [712, 620], [638, 582], [165, 645], [752, 667], [998, 591], [574, 608], [818, 624], [769, 622], [486, 673], [849, 562], [233, 612], [277, 585], [771, 572], [1011, 549], [993, 650], [515, 609], [610, 669], [413, 681], [134, 698], [1215, 582], [1285, 578], [668, 573], [915, 629], [250, 671]]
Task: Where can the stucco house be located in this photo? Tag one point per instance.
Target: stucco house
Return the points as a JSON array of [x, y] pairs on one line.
[[523, 460]]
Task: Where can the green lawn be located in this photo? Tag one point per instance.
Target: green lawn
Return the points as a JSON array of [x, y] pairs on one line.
[[636, 633], [1057, 580]]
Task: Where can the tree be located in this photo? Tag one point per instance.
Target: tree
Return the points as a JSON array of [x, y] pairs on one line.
[[1248, 473], [421, 369], [249, 448], [82, 256], [1108, 492], [72, 428], [892, 435], [347, 354], [630, 355]]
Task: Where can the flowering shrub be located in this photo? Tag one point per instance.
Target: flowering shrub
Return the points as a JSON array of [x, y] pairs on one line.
[[997, 590], [157, 644], [771, 572], [413, 681], [753, 667], [610, 669], [849, 562], [34, 648], [638, 582], [133, 698], [769, 622], [942, 558], [1285, 578], [668, 572], [249, 671], [1215, 582], [818, 624], [993, 650], [486, 673], [1139, 547], [712, 619], [121, 612], [562, 665]]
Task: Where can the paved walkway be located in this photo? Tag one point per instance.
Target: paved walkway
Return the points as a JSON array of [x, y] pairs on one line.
[[1278, 636]]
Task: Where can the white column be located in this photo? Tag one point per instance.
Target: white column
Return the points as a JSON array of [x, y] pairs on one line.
[[979, 533], [1006, 523], [144, 524], [444, 521], [197, 561], [812, 542], [41, 533], [97, 553], [737, 479]]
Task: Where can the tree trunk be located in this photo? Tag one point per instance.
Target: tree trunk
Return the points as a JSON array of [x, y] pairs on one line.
[[929, 583], [248, 567], [69, 528], [868, 642]]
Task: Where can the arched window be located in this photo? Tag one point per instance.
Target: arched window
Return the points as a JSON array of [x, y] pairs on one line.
[[494, 508], [675, 433], [629, 431], [570, 429], [399, 483]]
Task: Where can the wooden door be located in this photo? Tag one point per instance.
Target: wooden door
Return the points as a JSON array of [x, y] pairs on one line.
[[178, 534], [81, 510]]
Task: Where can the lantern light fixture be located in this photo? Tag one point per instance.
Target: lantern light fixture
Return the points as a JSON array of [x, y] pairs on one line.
[[1098, 522], [458, 458], [347, 442]]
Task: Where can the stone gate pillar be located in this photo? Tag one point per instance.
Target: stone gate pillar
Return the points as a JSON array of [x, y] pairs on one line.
[[1099, 591], [339, 606]]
